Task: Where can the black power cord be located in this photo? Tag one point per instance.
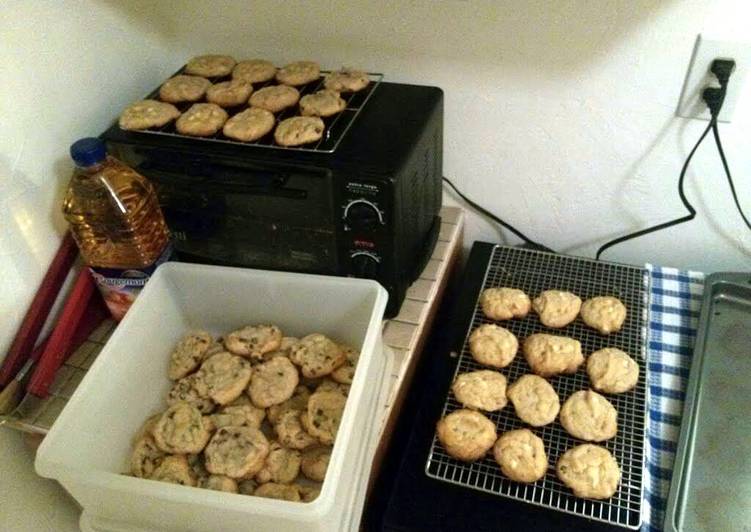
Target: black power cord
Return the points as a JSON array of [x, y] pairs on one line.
[[496, 219], [714, 98]]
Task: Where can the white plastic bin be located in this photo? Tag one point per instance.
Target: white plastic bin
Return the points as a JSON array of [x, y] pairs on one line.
[[89, 445]]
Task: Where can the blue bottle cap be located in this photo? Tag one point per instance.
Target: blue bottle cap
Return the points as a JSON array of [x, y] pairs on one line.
[[88, 151]]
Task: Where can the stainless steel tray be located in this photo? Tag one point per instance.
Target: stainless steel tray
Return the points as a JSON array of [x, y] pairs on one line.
[[534, 271], [711, 486]]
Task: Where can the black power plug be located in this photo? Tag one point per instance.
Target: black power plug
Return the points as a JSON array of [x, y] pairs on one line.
[[714, 97], [722, 68]]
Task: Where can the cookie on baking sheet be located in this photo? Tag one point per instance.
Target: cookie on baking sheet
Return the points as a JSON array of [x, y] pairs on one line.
[[346, 80], [225, 376], [247, 486], [273, 382], [590, 471], [254, 340], [466, 434], [254, 70], [210, 66], [492, 345], [192, 390], [245, 415], [218, 483], [587, 415], [322, 103], [298, 401], [557, 308], [317, 355], [174, 469], [550, 355], [184, 89], [201, 120], [249, 125], [146, 457], [229, 93], [346, 372], [504, 303], [315, 461], [298, 73], [481, 390], [272, 490], [181, 430], [188, 354], [604, 313], [521, 455], [534, 400], [324, 414], [236, 452], [282, 465], [146, 114], [612, 370], [290, 431], [299, 130], [275, 98]]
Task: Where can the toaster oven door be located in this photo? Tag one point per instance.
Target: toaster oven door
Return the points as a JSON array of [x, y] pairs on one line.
[[259, 216]]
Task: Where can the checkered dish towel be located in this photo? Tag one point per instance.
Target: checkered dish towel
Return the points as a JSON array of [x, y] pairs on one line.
[[674, 304]]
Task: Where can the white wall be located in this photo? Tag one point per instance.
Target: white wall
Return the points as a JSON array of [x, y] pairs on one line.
[[67, 67], [559, 115]]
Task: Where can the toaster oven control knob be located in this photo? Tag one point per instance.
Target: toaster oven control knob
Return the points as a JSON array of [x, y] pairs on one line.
[[362, 214], [364, 266]]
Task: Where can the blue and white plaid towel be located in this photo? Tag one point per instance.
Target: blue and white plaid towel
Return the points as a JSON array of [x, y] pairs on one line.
[[674, 305]]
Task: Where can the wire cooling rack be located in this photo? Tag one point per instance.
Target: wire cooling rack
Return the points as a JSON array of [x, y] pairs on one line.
[[533, 272], [336, 126]]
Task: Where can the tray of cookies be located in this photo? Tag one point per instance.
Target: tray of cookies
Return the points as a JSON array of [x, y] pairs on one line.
[[254, 103], [228, 396], [548, 403]]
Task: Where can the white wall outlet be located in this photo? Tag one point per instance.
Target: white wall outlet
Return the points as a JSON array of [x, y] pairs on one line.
[[699, 77]]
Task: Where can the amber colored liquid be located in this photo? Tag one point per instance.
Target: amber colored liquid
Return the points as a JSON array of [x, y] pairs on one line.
[[114, 216]]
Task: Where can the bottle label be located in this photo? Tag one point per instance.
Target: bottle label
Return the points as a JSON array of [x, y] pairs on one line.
[[120, 287]]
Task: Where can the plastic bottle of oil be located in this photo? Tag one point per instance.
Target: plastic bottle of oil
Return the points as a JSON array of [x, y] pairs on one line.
[[116, 221]]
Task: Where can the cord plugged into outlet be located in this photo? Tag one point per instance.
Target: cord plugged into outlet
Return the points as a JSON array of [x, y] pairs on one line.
[[714, 97]]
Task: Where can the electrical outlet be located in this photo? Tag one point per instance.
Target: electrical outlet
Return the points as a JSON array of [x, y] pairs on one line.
[[700, 77]]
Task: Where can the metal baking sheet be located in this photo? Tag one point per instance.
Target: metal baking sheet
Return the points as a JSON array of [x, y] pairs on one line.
[[711, 486], [533, 272]]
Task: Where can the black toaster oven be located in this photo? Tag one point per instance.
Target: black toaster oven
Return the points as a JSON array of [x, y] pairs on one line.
[[367, 208]]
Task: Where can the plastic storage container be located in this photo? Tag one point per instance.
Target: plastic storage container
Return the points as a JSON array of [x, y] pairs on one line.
[[89, 445]]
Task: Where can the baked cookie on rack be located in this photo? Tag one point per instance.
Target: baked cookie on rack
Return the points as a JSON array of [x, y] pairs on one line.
[[254, 70], [550, 355], [534, 400], [346, 80], [147, 114], [612, 370], [466, 435], [604, 313], [210, 66], [590, 471], [521, 455], [492, 345], [481, 390], [504, 303], [298, 73], [182, 88], [587, 415], [557, 308]]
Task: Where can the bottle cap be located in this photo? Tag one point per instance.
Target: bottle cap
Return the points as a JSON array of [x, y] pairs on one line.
[[88, 151]]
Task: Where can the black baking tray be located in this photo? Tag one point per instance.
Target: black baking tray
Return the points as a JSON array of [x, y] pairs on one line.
[[711, 486]]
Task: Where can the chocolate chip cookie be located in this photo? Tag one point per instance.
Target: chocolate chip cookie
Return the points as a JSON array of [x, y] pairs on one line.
[[249, 125], [299, 130], [225, 376], [188, 354], [236, 452], [181, 430], [273, 382], [254, 340], [298, 73]]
